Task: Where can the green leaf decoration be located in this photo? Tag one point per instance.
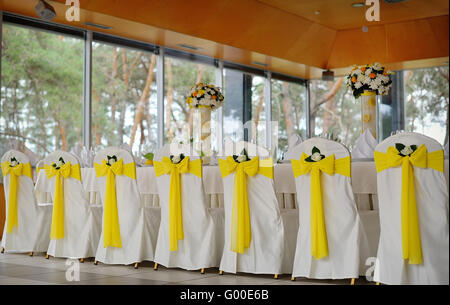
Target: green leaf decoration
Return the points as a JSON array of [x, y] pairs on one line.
[[62, 160], [244, 152], [309, 159], [315, 150], [399, 146], [202, 154], [414, 147], [149, 156]]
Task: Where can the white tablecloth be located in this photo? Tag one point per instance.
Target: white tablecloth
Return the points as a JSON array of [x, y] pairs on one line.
[[364, 182]]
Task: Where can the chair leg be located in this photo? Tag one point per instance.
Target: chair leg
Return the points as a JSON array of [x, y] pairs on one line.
[[81, 260], [220, 272], [377, 283], [136, 265], [202, 271], [293, 278], [95, 262], [31, 253], [3, 250], [47, 256], [275, 276], [155, 267], [352, 281]]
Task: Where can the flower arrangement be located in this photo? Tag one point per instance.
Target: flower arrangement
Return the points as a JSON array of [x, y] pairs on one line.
[[110, 160], [242, 157], [13, 162], [176, 158], [369, 78], [315, 156], [404, 150], [205, 96], [58, 164]]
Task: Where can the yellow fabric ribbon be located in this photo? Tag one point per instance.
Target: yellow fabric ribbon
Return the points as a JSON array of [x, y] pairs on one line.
[[241, 233], [411, 244], [330, 166], [14, 173], [65, 171], [166, 166], [111, 227], [149, 162]]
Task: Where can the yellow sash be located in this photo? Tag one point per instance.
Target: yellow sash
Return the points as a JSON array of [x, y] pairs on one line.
[[111, 228], [411, 244], [241, 233], [149, 162], [14, 173], [65, 171], [175, 207], [330, 166]]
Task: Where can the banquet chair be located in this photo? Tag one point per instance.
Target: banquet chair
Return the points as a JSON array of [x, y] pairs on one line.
[[27, 226], [413, 203], [187, 232], [126, 234], [329, 225], [75, 230], [254, 232]]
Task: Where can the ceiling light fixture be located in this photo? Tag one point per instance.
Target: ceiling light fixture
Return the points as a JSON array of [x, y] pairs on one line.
[[259, 63], [358, 4], [187, 46], [96, 25], [317, 12]]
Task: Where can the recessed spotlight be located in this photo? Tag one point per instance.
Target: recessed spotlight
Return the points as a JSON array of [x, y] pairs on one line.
[[187, 46], [317, 12], [365, 29], [358, 4]]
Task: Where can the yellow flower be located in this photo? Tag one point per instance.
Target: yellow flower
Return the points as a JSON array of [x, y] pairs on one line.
[[201, 92], [189, 101]]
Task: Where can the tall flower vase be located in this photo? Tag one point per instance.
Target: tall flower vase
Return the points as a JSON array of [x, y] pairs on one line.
[[202, 132], [369, 112]]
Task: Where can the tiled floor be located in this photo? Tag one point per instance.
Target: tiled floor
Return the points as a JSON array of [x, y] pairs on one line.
[[21, 269]]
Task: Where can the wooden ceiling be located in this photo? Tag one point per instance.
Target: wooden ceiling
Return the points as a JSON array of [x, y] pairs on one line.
[[287, 35]]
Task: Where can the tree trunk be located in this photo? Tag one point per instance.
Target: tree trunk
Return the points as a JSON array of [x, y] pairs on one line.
[[287, 109], [169, 100], [147, 105], [140, 108]]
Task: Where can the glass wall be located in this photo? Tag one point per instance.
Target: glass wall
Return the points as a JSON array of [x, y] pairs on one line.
[[41, 91], [427, 102], [124, 106], [334, 111], [180, 75], [289, 110]]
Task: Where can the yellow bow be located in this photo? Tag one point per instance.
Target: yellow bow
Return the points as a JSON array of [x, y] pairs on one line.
[[65, 171], [14, 173], [241, 233], [175, 207], [330, 166], [111, 228], [411, 244], [149, 162]]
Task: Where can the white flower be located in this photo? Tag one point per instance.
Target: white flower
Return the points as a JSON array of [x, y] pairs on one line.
[[176, 159], [358, 85], [373, 86], [406, 151], [316, 156], [242, 158], [111, 161], [368, 71], [59, 163], [14, 163]]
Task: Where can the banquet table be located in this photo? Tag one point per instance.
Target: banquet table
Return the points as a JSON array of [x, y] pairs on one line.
[[364, 184]]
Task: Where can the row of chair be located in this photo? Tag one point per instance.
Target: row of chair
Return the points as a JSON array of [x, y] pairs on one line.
[[253, 238]]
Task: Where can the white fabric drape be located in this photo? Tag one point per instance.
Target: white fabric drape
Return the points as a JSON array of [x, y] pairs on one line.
[[267, 241], [343, 226], [137, 229], [33, 231], [433, 211]]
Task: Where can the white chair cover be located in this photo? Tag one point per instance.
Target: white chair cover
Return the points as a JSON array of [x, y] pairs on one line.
[[432, 205], [265, 254], [33, 231], [135, 228], [200, 248], [343, 225], [82, 223]]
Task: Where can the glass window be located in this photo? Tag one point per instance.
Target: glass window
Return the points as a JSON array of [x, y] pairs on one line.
[[180, 76], [289, 110], [427, 102], [41, 91], [124, 106], [334, 111]]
